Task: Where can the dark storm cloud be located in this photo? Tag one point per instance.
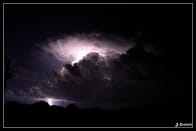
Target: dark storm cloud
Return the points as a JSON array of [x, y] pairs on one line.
[[125, 80], [74, 70]]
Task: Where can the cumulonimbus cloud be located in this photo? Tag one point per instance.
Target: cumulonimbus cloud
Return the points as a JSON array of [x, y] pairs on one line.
[[110, 71]]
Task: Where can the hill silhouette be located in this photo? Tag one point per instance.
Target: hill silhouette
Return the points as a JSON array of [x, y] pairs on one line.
[[40, 114]]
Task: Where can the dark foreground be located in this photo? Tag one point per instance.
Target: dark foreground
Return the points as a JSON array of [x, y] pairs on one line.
[[41, 114]]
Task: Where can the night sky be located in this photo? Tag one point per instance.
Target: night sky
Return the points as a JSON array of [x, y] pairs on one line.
[[141, 54]]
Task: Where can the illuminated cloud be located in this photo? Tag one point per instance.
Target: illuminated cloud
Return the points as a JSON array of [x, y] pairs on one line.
[[73, 48]]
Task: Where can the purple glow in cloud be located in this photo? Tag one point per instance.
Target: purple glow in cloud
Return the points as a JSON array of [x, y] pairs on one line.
[[72, 49]]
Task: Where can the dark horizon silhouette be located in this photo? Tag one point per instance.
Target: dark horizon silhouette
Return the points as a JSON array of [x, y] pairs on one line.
[[40, 114]]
